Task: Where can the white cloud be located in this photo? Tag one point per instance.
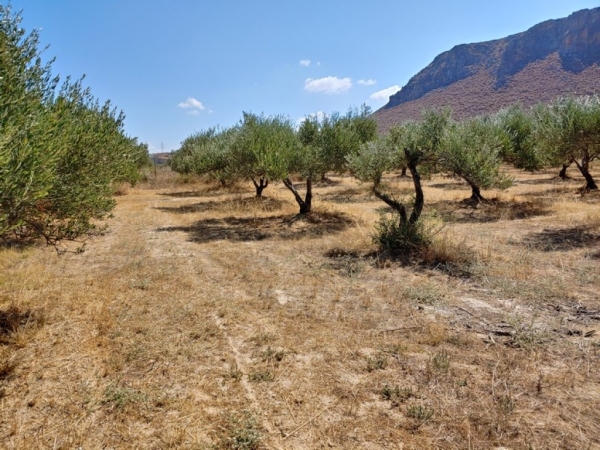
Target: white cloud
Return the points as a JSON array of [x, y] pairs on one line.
[[369, 82], [191, 103], [328, 85], [384, 94], [305, 62], [320, 115]]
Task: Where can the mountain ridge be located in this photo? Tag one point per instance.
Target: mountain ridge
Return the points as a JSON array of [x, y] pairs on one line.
[[553, 58]]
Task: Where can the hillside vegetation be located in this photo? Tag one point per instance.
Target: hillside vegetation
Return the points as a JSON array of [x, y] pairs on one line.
[[551, 59]]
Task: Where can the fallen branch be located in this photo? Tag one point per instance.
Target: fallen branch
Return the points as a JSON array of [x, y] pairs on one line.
[[401, 329], [474, 315]]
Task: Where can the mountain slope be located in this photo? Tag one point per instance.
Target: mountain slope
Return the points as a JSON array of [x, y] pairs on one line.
[[553, 58]]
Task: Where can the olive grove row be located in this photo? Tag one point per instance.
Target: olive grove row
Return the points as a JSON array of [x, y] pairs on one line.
[[62, 153], [263, 149]]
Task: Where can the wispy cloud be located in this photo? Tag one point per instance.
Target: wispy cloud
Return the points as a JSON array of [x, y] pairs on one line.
[[319, 115], [369, 82], [193, 104], [384, 94], [328, 85], [305, 62]]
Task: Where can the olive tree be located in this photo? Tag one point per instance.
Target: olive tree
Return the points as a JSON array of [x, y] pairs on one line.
[[569, 129], [95, 157], [336, 136], [61, 153], [471, 150], [518, 141], [28, 155], [261, 150], [189, 158], [414, 144], [267, 149]]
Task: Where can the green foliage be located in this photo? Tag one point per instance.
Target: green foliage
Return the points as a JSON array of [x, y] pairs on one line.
[[518, 142], [373, 159], [336, 137], [569, 130], [61, 154], [189, 159], [396, 394], [266, 147], [570, 127], [400, 238], [471, 150], [242, 433], [420, 413], [26, 173], [421, 140]]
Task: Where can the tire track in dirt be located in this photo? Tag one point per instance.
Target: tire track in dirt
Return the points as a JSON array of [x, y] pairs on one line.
[[212, 268]]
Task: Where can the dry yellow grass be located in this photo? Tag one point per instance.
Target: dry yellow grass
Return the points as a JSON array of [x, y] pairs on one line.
[[207, 319]]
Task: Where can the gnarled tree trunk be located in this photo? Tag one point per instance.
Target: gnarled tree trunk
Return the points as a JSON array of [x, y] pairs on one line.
[[563, 172], [584, 168], [399, 207], [260, 186], [419, 197], [476, 196], [306, 202]]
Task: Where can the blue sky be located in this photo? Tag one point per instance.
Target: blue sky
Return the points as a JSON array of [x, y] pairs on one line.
[[176, 67]]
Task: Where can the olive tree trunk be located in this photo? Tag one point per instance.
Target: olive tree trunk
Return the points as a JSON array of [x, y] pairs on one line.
[[260, 186], [306, 202], [398, 206], [584, 168]]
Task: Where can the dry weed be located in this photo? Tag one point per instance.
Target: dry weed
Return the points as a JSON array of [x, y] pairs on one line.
[[181, 329]]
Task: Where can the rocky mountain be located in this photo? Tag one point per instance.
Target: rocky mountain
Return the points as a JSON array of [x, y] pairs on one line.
[[553, 58]]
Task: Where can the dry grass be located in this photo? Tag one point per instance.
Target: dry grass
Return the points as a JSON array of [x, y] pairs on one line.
[[207, 319]]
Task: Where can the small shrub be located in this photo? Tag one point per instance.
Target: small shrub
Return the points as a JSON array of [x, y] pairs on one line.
[[379, 362], [272, 355], [440, 362], [13, 319], [448, 255], [425, 293], [119, 397], [396, 394], [241, 433], [420, 413], [526, 335], [261, 376], [401, 239], [262, 338]]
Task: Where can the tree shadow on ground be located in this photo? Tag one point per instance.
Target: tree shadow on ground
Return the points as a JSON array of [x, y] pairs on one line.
[[563, 239], [259, 228], [210, 191], [454, 185], [13, 318], [327, 182], [350, 195], [263, 204], [559, 190], [552, 180], [464, 211]]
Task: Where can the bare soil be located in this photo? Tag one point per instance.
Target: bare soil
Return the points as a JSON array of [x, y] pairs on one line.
[[204, 318]]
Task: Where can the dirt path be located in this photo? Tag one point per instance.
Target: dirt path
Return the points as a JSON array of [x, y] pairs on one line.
[[204, 319]]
